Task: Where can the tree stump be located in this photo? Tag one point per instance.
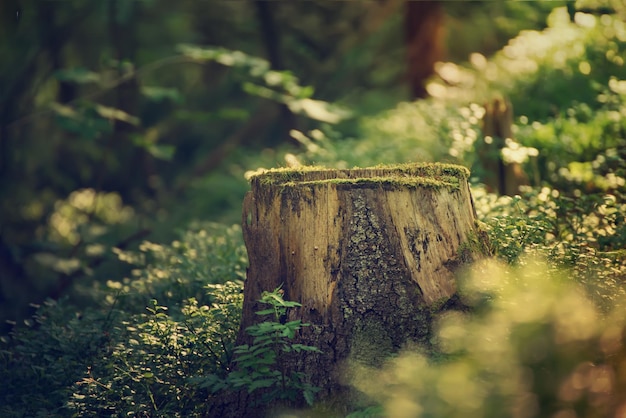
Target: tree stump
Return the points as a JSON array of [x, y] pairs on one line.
[[369, 253]]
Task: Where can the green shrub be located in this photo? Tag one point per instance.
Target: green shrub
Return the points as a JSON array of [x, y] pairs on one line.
[[148, 367], [206, 253], [534, 345], [40, 362], [537, 69], [133, 353], [581, 232]]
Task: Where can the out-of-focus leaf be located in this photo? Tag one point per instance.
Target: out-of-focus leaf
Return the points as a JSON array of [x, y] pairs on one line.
[[62, 265], [117, 114], [159, 94], [257, 66], [162, 152], [79, 122], [319, 110], [78, 75]]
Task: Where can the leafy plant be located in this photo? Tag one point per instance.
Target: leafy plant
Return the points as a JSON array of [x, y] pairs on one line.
[[128, 353], [580, 232], [148, 369], [262, 365], [205, 253], [538, 346], [40, 363]]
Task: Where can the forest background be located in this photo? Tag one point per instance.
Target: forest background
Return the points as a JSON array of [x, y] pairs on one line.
[[128, 130]]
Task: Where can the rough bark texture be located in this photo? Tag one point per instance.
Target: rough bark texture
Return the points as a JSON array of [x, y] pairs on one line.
[[369, 253]]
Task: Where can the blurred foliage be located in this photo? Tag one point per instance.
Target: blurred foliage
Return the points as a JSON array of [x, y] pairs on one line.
[[534, 345], [422, 131], [585, 53], [117, 172]]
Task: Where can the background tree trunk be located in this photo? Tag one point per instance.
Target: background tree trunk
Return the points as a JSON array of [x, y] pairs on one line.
[[369, 253], [271, 40], [497, 124], [424, 37]]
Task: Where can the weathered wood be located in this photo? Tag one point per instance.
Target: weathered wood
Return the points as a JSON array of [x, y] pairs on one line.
[[369, 253]]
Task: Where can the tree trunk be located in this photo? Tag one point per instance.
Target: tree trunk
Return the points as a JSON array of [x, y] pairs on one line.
[[271, 39], [369, 253], [424, 37], [504, 178]]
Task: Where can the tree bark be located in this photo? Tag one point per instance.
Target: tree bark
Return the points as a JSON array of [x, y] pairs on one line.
[[424, 37], [369, 253]]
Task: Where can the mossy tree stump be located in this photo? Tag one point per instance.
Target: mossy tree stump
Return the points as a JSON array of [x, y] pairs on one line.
[[369, 253]]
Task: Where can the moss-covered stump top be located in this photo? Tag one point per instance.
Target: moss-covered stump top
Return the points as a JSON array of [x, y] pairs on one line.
[[314, 229], [410, 175]]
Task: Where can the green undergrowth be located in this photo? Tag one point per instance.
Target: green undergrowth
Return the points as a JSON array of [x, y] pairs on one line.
[[134, 351], [260, 367]]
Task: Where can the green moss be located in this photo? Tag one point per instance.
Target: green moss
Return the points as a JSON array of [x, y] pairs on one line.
[[286, 174], [371, 345], [476, 245], [387, 183], [389, 177]]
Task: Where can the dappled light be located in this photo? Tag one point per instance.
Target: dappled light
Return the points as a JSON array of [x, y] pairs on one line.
[[87, 207]]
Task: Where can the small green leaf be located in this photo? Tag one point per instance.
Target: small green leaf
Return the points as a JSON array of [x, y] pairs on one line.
[[262, 340], [116, 114], [162, 152], [78, 75], [301, 347], [261, 383], [244, 357], [258, 351], [159, 94], [308, 397], [288, 332], [265, 312]]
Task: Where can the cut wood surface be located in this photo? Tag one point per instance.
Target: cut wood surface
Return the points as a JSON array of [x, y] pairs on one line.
[[369, 253]]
